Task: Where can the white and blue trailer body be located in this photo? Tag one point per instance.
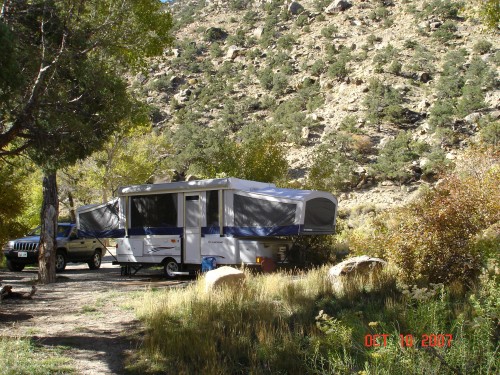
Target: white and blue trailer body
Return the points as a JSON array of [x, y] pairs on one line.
[[178, 224]]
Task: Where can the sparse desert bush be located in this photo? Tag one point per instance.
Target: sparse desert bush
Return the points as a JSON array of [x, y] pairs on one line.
[[490, 132], [482, 47], [329, 31], [383, 103], [444, 9], [446, 32], [395, 158], [339, 66]]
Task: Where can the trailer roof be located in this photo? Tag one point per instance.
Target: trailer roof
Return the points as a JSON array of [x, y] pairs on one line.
[[212, 184]]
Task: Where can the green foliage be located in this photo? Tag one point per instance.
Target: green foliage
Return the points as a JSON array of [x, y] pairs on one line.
[[250, 17], [259, 157], [23, 356], [286, 42], [338, 67], [394, 160], [489, 11], [214, 34], [280, 83], [329, 31], [444, 9], [384, 56], [238, 39], [490, 133], [334, 162], [379, 14], [446, 32], [301, 20], [318, 68], [383, 103], [422, 60], [435, 236], [482, 47], [289, 117], [266, 78], [461, 92], [216, 50], [320, 5], [12, 202], [238, 4]]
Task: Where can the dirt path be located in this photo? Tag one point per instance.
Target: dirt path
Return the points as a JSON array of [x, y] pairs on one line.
[[88, 312]]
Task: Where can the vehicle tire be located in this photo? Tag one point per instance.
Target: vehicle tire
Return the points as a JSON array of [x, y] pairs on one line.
[[170, 266], [60, 261], [95, 263], [14, 267]]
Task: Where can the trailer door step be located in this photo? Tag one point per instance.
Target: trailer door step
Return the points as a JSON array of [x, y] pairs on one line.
[[181, 273]]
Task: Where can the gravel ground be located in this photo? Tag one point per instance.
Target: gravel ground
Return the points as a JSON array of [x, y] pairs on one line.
[[88, 312]]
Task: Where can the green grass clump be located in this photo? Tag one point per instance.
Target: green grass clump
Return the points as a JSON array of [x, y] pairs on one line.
[[22, 356], [284, 324]]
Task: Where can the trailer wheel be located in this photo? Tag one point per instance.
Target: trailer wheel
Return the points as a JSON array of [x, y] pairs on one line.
[[169, 267]]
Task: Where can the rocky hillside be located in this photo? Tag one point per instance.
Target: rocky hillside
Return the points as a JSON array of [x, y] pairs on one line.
[[369, 98]]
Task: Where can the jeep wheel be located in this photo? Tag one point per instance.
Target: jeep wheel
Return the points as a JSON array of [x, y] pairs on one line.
[[15, 267], [60, 261], [95, 263], [169, 267]]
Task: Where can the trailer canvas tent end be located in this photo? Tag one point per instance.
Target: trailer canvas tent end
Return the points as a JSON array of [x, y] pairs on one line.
[[237, 221]]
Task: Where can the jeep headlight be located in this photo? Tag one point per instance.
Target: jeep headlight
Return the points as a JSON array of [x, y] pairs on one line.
[[8, 246]]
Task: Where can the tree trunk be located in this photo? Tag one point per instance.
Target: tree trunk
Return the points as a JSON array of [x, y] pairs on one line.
[[49, 215], [72, 212]]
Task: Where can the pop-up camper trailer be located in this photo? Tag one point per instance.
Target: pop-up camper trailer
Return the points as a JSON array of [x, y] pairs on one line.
[[178, 224]]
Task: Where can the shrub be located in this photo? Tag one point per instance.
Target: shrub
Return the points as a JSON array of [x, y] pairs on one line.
[[237, 39], [286, 42], [384, 56], [444, 9], [301, 20], [329, 31], [280, 83], [379, 14], [446, 32], [318, 68], [266, 78], [338, 68], [394, 160], [383, 103], [251, 17], [490, 133], [482, 47], [434, 237]]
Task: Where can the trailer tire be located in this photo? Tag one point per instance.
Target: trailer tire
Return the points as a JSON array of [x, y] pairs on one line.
[[170, 266]]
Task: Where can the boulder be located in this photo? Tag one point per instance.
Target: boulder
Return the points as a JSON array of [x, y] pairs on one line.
[[295, 8], [224, 277], [232, 52], [362, 268], [258, 32], [337, 6], [361, 264]]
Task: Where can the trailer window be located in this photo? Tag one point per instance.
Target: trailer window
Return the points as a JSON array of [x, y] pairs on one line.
[[253, 212], [320, 215], [153, 211], [102, 219], [213, 208]]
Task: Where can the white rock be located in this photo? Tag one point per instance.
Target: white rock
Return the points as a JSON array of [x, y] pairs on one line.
[[224, 277], [232, 52], [337, 6]]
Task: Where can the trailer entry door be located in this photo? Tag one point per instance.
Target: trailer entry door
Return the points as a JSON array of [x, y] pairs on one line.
[[192, 228]]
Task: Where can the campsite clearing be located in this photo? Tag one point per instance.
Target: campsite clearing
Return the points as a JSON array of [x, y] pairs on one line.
[[87, 314]]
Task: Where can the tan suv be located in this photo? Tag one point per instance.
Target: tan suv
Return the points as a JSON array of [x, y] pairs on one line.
[[70, 248]]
